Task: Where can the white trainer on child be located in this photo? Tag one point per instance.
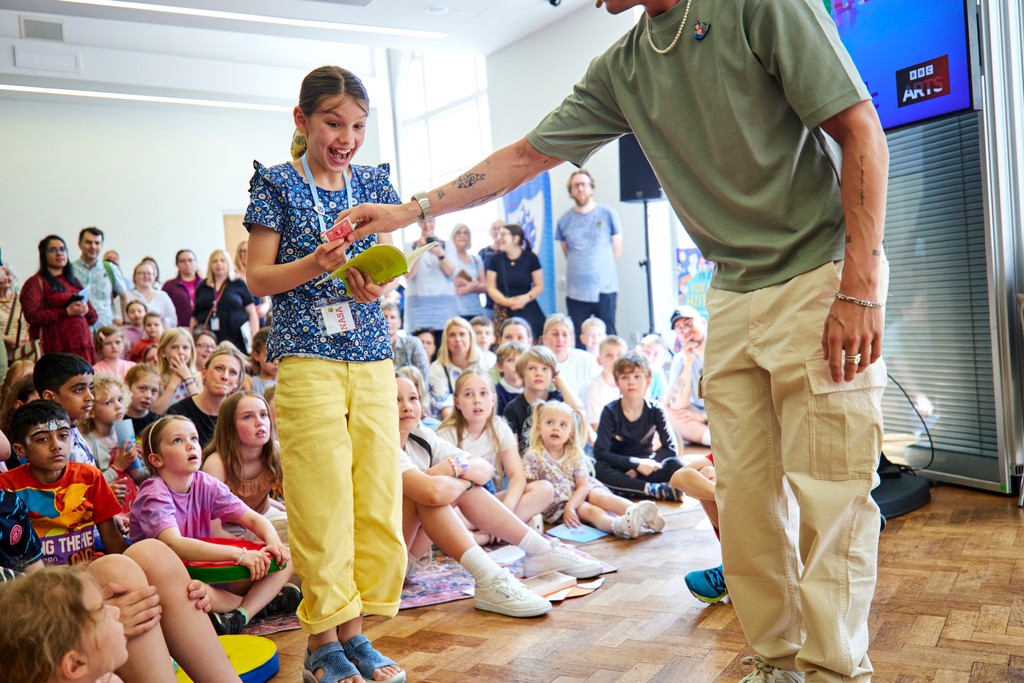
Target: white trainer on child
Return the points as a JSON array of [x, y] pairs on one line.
[[766, 673], [537, 523], [649, 516], [506, 595], [629, 524], [561, 559]]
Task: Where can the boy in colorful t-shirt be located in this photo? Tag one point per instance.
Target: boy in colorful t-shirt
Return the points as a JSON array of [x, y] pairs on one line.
[[67, 502]]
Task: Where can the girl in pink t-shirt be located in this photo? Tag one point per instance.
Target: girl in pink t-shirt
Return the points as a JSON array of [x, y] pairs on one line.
[[110, 352], [182, 506]]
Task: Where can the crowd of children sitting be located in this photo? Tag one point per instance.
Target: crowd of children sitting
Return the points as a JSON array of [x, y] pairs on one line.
[[124, 465]]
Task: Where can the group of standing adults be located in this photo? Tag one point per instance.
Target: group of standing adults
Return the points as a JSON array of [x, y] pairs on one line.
[[66, 301], [447, 281]]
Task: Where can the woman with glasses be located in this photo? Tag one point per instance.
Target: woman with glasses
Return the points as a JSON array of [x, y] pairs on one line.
[[55, 305], [145, 290]]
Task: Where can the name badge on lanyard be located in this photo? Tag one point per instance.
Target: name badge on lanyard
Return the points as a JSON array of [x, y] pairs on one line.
[[336, 316]]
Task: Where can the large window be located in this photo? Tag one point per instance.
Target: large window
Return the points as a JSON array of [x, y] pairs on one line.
[[443, 129]]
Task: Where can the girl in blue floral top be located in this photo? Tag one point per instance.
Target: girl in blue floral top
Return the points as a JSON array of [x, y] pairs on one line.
[[335, 400]]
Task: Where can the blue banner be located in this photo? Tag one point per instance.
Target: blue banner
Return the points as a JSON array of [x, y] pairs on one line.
[[529, 206]]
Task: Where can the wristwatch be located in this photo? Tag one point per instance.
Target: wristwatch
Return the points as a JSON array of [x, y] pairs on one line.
[[425, 213]]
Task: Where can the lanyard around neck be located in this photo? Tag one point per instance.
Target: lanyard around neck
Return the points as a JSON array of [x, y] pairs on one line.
[[318, 206]]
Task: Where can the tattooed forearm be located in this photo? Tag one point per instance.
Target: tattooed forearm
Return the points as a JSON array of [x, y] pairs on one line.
[[441, 194], [876, 252], [849, 238], [480, 201], [860, 188], [468, 180]]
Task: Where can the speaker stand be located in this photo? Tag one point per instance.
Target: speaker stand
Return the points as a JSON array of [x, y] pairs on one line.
[[646, 265]]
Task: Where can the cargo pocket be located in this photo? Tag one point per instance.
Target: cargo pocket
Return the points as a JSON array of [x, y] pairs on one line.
[[845, 422]]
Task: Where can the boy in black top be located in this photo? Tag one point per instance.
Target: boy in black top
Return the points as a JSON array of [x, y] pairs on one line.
[[626, 460]]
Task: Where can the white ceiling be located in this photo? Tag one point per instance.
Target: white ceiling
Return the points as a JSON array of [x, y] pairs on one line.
[[476, 26]]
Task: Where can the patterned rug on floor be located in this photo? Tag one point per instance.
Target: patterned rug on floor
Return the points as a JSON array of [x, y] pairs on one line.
[[443, 580]]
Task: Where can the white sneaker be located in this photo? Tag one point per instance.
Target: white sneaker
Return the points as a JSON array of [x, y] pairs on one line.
[[649, 516], [537, 523], [505, 595], [766, 673], [561, 559], [629, 524]]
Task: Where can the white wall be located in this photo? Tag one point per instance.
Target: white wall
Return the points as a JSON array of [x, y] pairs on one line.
[[528, 79], [154, 178]]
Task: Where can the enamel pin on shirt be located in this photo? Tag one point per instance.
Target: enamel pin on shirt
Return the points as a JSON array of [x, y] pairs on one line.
[[700, 29]]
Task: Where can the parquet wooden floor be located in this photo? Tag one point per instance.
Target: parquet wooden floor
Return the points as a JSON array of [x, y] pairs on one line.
[[949, 608]]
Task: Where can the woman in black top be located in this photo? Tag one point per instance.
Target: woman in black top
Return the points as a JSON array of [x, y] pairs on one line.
[[515, 278], [224, 304]]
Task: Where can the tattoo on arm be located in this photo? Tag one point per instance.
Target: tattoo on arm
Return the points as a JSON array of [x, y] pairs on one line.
[[468, 180], [482, 200], [849, 238], [440, 194], [861, 159], [876, 252]]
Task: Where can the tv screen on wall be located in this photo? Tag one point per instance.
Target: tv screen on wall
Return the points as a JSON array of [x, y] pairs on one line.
[[914, 55]]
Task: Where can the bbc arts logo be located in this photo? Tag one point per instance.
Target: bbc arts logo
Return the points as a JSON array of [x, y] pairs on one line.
[[923, 82]]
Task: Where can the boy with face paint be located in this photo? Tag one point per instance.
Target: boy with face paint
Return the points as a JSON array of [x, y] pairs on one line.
[[67, 501]]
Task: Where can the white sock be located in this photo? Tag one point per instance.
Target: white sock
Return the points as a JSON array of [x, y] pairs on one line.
[[477, 563], [533, 543]]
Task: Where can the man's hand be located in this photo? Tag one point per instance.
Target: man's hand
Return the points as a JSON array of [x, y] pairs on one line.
[[374, 218], [139, 609], [855, 330]]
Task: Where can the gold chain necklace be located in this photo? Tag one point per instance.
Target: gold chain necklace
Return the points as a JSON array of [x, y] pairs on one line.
[[679, 33]]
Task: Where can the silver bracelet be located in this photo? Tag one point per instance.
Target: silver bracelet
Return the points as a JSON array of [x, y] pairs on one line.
[[859, 302]]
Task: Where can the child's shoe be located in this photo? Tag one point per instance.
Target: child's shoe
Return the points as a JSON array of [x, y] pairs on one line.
[[707, 585], [537, 523], [285, 602], [629, 524], [506, 595], [662, 492], [649, 516], [229, 623], [561, 559]]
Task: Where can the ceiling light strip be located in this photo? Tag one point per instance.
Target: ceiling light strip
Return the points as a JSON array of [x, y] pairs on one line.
[[259, 18], [133, 97]]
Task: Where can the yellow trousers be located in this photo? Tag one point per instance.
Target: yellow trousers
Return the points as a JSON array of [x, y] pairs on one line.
[[338, 425]]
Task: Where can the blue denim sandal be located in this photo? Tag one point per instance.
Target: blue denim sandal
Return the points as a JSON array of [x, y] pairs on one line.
[[367, 660], [331, 658]]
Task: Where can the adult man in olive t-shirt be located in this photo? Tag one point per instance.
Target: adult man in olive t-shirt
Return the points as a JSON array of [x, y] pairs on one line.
[[751, 112]]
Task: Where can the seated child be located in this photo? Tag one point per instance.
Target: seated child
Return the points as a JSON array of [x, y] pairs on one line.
[[133, 330], [153, 326], [602, 390], [412, 374], [109, 348], [408, 349], [483, 331], [264, 372], [435, 475], [20, 548], [592, 332], [20, 393], [178, 507], [178, 376], [697, 480], [627, 458], [66, 379], [654, 349], [457, 354], [67, 501], [507, 382], [555, 454], [119, 462], [143, 382], [474, 428], [125, 613], [537, 367], [244, 455]]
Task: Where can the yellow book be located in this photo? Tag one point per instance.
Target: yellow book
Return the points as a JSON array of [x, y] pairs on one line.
[[380, 263]]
